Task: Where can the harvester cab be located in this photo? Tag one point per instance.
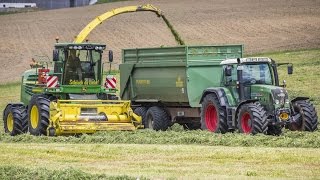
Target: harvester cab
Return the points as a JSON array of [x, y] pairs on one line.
[[79, 65], [258, 103]]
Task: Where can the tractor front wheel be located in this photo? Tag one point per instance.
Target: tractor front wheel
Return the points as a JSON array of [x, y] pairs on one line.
[[308, 120], [157, 119], [252, 119], [38, 115], [15, 120], [213, 115]]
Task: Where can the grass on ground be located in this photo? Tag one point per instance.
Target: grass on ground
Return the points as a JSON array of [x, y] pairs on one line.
[[160, 161]]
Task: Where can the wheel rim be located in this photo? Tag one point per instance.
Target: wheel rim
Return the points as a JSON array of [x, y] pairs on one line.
[[10, 122], [211, 118], [34, 116], [246, 123]]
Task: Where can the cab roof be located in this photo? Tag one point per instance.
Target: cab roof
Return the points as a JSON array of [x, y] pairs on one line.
[[83, 45], [247, 60]]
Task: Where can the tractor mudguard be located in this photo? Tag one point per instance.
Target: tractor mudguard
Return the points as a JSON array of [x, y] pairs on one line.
[[299, 98], [245, 102], [219, 92]]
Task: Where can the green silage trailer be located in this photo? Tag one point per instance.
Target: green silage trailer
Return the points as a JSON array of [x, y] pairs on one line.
[[165, 84]]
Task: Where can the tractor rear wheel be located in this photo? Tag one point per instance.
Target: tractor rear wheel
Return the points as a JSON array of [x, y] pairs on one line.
[[38, 115], [213, 115], [308, 119], [157, 119], [252, 119], [15, 120], [142, 111]]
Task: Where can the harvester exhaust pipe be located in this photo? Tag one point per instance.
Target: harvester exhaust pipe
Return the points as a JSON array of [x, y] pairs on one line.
[[240, 83]]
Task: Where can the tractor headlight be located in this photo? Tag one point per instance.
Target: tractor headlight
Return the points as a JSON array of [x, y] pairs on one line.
[[79, 47], [96, 48], [70, 47], [100, 48], [277, 101], [75, 47]]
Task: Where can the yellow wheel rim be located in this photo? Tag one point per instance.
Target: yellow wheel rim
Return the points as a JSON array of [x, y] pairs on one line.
[[34, 116], [10, 122]]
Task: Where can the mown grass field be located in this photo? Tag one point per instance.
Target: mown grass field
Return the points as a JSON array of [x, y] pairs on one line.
[[175, 153]]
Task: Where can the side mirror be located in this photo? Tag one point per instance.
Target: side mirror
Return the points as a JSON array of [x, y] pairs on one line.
[[228, 71], [55, 55], [110, 56], [290, 69]]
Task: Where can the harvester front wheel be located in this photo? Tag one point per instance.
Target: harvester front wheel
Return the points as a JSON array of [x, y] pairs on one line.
[[142, 111], [157, 119], [308, 120], [15, 120], [38, 113], [213, 115], [252, 119]]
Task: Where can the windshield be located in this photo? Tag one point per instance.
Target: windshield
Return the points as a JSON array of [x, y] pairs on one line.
[[256, 74], [82, 67], [252, 74]]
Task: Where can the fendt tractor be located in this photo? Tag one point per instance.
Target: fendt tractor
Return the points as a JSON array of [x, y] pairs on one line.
[[70, 98], [211, 87]]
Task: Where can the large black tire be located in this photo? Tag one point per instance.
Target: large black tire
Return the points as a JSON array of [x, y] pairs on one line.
[[38, 115], [213, 115], [274, 130], [252, 119], [142, 111], [308, 119], [15, 120], [157, 119]]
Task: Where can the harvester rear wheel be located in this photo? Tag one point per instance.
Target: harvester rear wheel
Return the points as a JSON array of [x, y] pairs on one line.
[[157, 119], [15, 120], [252, 119], [38, 113], [308, 119], [213, 115], [142, 111]]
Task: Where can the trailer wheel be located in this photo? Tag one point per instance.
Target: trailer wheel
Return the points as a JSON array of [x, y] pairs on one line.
[[157, 119], [213, 115], [252, 119], [308, 119], [38, 113], [142, 111], [15, 120]]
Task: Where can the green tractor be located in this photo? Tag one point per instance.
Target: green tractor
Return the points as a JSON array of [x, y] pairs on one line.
[[252, 100], [70, 97]]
